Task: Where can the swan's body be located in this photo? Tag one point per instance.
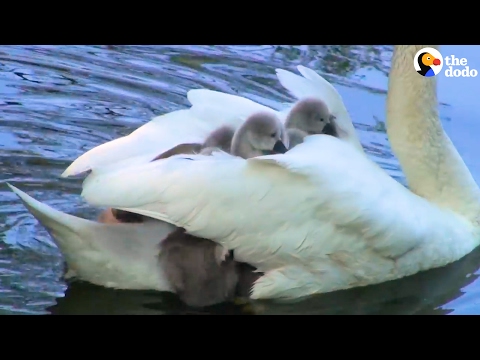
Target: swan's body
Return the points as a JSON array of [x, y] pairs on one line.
[[321, 217]]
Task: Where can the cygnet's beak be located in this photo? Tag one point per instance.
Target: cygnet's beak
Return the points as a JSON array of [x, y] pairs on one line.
[[330, 128], [279, 148]]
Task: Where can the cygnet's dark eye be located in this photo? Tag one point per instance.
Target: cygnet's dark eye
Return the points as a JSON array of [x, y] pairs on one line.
[[273, 135]]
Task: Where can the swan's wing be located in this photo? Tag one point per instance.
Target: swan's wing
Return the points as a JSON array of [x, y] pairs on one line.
[[311, 85], [275, 210], [142, 145], [222, 107]]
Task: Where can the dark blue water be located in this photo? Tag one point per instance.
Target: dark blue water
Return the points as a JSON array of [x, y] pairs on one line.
[[56, 102]]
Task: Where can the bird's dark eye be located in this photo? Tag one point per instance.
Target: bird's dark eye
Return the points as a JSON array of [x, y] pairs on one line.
[[273, 135], [321, 119]]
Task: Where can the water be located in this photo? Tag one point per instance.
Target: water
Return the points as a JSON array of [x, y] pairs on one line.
[[56, 102]]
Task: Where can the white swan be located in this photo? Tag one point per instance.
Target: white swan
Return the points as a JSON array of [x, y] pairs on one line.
[[321, 217], [125, 256]]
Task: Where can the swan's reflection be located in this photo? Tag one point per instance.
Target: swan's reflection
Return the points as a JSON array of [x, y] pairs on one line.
[[86, 299], [424, 293]]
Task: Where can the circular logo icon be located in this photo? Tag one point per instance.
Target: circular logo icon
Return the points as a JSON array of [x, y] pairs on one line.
[[428, 62]]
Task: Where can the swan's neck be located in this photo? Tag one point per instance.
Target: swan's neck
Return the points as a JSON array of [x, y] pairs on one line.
[[432, 165]]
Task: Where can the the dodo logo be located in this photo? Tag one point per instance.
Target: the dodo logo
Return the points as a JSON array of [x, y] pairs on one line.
[[428, 62]]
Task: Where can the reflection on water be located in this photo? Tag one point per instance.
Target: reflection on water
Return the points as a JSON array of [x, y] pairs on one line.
[[59, 101]]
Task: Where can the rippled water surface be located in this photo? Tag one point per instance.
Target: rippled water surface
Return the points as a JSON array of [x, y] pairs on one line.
[[56, 102]]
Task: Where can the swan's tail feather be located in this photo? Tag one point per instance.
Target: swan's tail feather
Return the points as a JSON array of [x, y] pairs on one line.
[[59, 224], [121, 256]]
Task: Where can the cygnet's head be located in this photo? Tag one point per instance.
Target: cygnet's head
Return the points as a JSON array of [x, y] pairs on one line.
[[260, 134], [312, 116], [296, 137]]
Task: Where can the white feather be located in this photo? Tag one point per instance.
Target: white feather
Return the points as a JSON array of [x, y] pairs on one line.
[[142, 145], [217, 107]]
